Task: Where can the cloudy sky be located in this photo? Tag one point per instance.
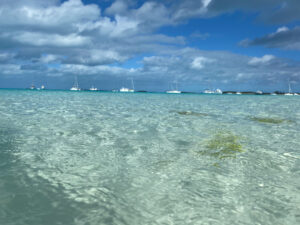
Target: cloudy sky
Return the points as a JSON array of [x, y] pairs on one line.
[[227, 44]]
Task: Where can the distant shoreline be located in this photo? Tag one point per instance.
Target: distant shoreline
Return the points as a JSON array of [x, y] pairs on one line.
[[162, 92]]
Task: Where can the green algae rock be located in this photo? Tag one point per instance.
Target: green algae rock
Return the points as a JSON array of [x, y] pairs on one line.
[[268, 120], [222, 145]]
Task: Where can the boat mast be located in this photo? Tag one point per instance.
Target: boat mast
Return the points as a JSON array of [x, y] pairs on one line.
[[76, 82], [132, 84], [290, 90], [176, 85]]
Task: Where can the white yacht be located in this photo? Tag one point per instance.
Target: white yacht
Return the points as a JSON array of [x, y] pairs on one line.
[[75, 86], [238, 93], [93, 88], [259, 92], [218, 91], [123, 89], [174, 91], [207, 91], [41, 88]]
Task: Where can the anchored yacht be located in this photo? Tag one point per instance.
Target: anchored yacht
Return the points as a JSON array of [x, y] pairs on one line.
[[217, 91], [174, 91], [290, 90], [75, 86], [123, 89], [93, 88]]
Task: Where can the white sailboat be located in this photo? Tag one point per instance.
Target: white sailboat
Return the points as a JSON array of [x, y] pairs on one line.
[[174, 91], [123, 89], [290, 90], [75, 86], [217, 91], [93, 88], [207, 91]]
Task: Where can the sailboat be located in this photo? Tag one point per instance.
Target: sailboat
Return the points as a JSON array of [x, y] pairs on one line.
[[32, 87], [75, 86], [123, 89], [290, 90], [93, 88], [208, 91], [217, 91], [41, 88], [174, 91]]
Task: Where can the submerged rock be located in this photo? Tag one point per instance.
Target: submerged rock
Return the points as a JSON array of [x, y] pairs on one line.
[[268, 120], [191, 113], [222, 145]]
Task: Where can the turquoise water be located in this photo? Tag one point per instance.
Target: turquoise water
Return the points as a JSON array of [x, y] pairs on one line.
[[113, 158]]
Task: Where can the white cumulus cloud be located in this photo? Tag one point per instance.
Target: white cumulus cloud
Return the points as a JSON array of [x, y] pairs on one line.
[[261, 60], [199, 62]]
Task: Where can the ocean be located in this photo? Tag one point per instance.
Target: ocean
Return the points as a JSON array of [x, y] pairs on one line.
[[90, 158]]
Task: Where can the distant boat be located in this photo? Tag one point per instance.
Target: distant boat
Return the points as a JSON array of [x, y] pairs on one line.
[[290, 90], [238, 93], [207, 91], [174, 91], [259, 92], [217, 91], [32, 87], [123, 89], [41, 88], [75, 86], [93, 88]]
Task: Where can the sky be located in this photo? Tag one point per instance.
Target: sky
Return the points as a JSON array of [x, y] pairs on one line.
[[234, 45]]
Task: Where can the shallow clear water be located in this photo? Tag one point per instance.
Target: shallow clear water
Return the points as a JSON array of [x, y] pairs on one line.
[[112, 158]]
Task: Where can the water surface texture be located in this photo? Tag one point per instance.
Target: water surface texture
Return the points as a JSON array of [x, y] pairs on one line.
[[89, 158]]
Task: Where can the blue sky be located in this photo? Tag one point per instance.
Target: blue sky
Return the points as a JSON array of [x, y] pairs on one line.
[[228, 44]]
